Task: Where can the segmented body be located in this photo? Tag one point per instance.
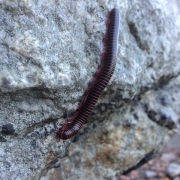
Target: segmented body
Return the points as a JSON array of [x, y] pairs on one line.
[[103, 75]]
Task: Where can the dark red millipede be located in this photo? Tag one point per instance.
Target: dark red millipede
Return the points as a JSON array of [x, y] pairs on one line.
[[101, 79]]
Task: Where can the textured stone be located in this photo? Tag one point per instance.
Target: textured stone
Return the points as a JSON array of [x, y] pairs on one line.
[[168, 157], [150, 174], [176, 178], [173, 169], [49, 50]]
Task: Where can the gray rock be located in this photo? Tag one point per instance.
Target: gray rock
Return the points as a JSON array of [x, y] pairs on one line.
[[168, 157], [173, 169], [150, 174], [174, 142], [49, 51], [176, 178]]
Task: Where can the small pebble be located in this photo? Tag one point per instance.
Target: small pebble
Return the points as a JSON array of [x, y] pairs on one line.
[[150, 174], [173, 169], [168, 157], [125, 178], [176, 178]]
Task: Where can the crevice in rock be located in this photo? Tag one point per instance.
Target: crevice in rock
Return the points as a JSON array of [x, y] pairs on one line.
[[38, 125], [134, 31], [150, 108], [143, 161]]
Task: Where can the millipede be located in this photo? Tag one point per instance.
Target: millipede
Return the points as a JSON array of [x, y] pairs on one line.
[[100, 80]]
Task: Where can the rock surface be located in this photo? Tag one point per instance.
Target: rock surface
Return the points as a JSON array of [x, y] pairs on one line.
[[150, 174], [173, 170], [159, 165], [49, 51]]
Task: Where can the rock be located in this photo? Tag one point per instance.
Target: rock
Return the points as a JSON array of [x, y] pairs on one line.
[[173, 169], [174, 142], [176, 178], [49, 51], [168, 157], [150, 174]]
